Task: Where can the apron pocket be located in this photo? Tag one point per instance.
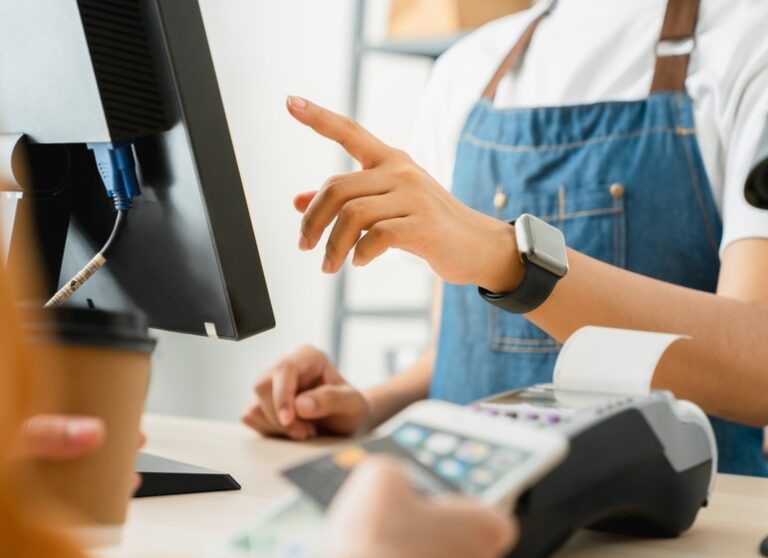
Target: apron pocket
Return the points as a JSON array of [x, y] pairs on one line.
[[593, 222]]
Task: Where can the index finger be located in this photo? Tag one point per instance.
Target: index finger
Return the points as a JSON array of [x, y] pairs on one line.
[[356, 140]]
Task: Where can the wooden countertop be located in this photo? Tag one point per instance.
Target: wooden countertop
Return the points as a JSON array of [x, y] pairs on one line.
[[187, 526]]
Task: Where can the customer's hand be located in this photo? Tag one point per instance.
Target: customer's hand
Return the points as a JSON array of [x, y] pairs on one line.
[[377, 514], [64, 437], [304, 395], [400, 206]]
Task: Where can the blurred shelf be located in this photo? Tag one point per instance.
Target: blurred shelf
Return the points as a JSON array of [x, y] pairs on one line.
[[392, 313], [429, 47]]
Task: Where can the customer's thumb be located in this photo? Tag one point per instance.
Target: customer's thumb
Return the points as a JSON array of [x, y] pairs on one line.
[[498, 531], [322, 401]]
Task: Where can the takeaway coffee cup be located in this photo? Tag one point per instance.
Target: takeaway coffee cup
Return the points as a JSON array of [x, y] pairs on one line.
[[93, 363]]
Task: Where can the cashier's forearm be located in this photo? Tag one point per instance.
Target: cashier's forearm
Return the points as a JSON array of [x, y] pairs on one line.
[[723, 368], [409, 386]]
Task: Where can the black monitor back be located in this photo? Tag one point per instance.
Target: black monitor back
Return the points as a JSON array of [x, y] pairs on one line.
[[79, 71]]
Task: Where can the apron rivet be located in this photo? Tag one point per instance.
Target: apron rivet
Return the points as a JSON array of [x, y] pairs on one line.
[[617, 190], [499, 199]]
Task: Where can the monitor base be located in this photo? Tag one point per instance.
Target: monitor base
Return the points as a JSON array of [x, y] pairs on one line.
[[164, 477]]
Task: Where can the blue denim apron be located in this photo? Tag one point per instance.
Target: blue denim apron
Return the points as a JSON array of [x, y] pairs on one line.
[[626, 184]]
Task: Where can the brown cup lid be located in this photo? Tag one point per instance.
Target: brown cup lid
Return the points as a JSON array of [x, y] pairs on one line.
[[87, 326]]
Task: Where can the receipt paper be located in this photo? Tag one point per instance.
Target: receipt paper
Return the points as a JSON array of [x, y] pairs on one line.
[[608, 360]]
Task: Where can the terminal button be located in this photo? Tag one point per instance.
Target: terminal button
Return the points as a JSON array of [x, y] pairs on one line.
[[441, 443]]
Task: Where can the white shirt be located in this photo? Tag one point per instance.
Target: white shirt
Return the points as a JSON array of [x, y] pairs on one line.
[[588, 51]]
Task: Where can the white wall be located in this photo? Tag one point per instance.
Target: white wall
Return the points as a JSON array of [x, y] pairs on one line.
[[264, 50]]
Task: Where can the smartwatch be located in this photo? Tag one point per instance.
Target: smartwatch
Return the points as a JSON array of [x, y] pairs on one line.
[[542, 251]]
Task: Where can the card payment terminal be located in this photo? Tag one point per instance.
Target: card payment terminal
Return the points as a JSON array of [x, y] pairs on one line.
[[558, 460], [636, 465]]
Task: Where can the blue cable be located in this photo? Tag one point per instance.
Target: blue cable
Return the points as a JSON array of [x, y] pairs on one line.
[[117, 167]]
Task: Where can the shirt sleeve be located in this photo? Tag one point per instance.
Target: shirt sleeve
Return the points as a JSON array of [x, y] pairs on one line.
[[747, 139]]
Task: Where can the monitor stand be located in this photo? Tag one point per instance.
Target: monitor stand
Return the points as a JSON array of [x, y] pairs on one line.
[[163, 477]]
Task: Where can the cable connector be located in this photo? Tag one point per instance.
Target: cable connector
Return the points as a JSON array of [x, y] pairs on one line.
[[117, 167]]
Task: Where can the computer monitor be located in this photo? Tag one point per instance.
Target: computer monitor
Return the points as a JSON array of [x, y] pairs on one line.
[[79, 72], [74, 73]]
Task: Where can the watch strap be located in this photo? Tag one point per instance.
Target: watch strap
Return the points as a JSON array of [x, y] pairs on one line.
[[535, 288]]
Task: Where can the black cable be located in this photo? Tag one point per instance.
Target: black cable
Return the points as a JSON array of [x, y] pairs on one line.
[[115, 235], [93, 266]]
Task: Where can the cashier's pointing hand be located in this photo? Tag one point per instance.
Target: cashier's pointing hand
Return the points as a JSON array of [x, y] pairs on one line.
[[394, 203]]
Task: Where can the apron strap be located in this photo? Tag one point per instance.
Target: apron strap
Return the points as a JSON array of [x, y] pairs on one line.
[[514, 55], [673, 51]]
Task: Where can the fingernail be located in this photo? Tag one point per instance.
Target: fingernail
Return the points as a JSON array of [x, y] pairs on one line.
[[79, 427], [327, 265], [306, 404], [297, 433], [303, 242], [297, 102], [285, 417]]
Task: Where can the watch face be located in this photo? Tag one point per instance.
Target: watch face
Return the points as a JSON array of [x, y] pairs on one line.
[[542, 244]]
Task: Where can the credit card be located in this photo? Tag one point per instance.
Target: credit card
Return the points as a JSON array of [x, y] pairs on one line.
[[321, 478]]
